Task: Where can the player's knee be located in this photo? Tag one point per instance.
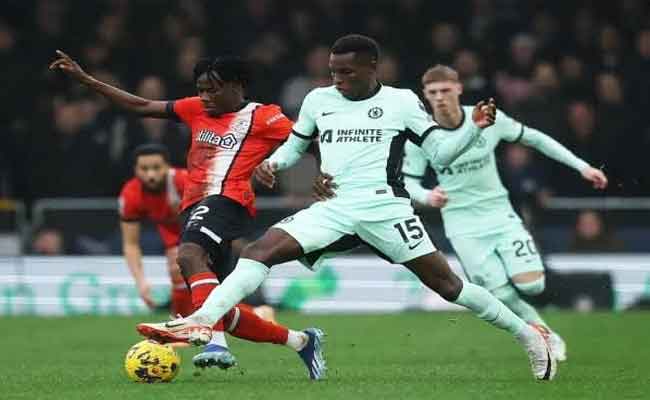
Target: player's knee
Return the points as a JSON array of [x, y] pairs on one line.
[[449, 289], [258, 251], [532, 288], [506, 294], [189, 258]]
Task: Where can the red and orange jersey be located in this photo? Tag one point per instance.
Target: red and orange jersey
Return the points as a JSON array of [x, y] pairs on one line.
[[226, 149], [162, 208]]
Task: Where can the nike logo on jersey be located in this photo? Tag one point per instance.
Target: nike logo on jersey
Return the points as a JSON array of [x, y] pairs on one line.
[[325, 114], [411, 247]]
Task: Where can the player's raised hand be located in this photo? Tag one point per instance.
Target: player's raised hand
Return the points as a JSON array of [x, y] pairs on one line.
[[66, 64], [596, 177], [324, 187], [484, 113], [265, 173], [437, 197]]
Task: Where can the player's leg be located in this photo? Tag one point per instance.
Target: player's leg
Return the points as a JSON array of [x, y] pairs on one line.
[[206, 239], [307, 231], [525, 269], [404, 240], [181, 296], [310, 229]]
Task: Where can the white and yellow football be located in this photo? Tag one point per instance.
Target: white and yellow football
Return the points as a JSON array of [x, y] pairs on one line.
[[152, 362]]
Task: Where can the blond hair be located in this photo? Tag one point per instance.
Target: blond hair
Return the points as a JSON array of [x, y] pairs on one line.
[[439, 73]]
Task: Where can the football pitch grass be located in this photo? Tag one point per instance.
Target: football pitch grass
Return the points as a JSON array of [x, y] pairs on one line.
[[399, 356]]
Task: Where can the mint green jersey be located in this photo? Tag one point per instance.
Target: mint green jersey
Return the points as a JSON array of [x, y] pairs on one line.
[[362, 142], [478, 202]]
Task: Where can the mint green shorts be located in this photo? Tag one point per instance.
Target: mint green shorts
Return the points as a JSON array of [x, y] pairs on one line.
[[492, 260], [387, 225]]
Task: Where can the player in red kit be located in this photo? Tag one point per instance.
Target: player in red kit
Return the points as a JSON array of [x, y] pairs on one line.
[[154, 194], [230, 137]]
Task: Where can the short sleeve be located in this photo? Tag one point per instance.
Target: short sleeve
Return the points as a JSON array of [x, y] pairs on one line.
[[272, 123], [129, 209], [415, 161], [507, 128], [180, 179], [416, 118], [185, 109], [169, 234], [306, 124]]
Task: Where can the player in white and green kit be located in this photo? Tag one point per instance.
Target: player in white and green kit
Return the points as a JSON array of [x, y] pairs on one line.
[[362, 128], [490, 240]]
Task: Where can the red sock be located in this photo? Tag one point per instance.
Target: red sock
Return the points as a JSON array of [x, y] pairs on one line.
[[201, 285], [181, 299], [243, 323]]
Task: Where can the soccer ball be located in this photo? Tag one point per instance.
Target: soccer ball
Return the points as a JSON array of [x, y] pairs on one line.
[[151, 362]]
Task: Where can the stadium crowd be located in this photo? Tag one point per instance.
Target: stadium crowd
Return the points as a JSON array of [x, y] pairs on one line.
[[578, 71]]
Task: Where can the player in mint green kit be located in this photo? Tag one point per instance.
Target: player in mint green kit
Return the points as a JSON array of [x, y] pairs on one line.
[[362, 128], [490, 240]]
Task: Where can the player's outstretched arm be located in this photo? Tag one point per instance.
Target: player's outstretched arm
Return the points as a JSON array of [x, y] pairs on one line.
[[282, 158], [119, 97], [133, 255], [555, 150], [443, 148]]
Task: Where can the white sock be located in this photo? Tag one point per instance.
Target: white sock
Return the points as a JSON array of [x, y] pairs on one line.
[[247, 276], [297, 340], [218, 338]]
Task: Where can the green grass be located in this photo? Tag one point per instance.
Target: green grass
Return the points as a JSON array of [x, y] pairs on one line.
[[402, 356]]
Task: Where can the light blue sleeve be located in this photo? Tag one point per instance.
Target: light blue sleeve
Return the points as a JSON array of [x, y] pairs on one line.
[[514, 131], [415, 115], [552, 148], [442, 147], [413, 168], [507, 128], [290, 152], [306, 124]]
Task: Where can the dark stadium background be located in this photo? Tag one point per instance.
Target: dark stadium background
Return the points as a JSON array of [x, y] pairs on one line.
[[577, 70]]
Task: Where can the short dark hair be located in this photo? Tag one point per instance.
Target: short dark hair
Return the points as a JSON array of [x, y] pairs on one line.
[[357, 44], [224, 68], [148, 149]]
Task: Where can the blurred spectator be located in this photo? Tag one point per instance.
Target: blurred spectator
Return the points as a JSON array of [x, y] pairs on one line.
[[65, 160], [637, 73], [513, 84], [475, 84], [316, 74], [610, 48], [545, 107], [445, 40], [586, 142], [545, 27], [268, 52], [574, 77], [525, 181], [388, 70], [191, 50], [48, 242], [154, 130], [592, 236], [573, 52]]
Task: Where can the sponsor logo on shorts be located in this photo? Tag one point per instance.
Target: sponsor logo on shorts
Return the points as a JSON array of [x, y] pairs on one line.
[[286, 220], [412, 246]]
